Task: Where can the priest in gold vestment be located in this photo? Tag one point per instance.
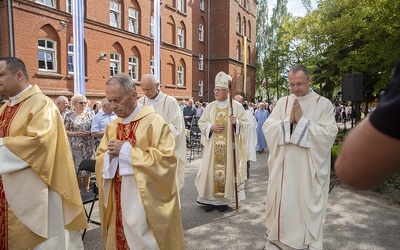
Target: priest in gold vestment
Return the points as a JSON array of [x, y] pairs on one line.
[[135, 170], [215, 181], [40, 204]]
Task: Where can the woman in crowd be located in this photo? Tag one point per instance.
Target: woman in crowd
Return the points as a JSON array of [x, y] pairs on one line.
[[78, 124]]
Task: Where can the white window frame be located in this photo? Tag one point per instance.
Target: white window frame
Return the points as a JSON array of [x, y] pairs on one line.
[[133, 67], [151, 26], [115, 63], [181, 6], [238, 22], [69, 6], [115, 14], [201, 32], [152, 67], [201, 61], [248, 5], [49, 55], [49, 3], [237, 52], [201, 88], [202, 5], [181, 38], [133, 20], [71, 58], [181, 76]]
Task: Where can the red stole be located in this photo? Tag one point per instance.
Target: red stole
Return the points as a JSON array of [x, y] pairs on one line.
[[125, 132], [6, 117]]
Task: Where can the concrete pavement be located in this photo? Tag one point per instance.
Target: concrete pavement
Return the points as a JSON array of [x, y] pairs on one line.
[[353, 221]]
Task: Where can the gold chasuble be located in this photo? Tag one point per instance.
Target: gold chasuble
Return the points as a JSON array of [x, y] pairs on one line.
[[40, 200], [215, 180], [220, 153], [153, 164]]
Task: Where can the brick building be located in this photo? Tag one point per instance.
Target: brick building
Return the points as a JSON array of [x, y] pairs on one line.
[[198, 39]]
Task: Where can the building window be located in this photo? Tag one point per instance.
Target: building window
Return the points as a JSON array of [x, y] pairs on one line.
[[240, 2], [237, 52], [244, 27], [181, 6], [133, 20], [152, 27], [69, 6], [133, 67], [201, 90], [115, 64], [238, 24], [201, 61], [248, 5], [152, 67], [115, 12], [181, 76], [49, 3], [181, 38], [202, 5], [201, 32], [249, 30], [47, 55], [70, 58]]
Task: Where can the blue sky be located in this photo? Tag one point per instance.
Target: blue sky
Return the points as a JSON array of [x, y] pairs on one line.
[[294, 6]]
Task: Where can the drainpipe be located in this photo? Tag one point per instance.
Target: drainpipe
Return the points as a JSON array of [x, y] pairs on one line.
[[11, 29]]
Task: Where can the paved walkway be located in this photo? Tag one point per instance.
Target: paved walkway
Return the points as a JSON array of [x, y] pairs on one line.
[[353, 221]]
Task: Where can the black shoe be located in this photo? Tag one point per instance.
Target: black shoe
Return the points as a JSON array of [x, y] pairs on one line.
[[209, 208], [222, 208]]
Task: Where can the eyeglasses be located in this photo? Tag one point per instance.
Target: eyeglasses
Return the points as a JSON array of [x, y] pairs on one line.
[[292, 85], [82, 103], [219, 90]]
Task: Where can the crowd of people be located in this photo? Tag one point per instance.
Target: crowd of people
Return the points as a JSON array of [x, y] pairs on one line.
[[139, 145]]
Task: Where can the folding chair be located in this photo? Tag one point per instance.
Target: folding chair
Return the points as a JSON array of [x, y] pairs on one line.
[[195, 140], [89, 197]]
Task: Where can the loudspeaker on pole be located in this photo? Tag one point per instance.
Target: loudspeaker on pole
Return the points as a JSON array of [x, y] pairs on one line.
[[352, 87]]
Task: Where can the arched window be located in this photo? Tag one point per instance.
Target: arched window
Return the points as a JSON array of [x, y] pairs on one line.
[[181, 76], [238, 23], [115, 14], [244, 26], [181, 38], [133, 67], [115, 63], [47, 55], [249, 30], [201, 32], [133, 20], [201, 61]]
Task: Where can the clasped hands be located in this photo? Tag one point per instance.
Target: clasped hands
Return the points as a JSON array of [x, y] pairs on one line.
[[82, 133], [220, 128], [114, 147], [296, 113]]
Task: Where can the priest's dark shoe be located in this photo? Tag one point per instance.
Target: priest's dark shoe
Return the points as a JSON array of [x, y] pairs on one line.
[[222, 208], [209, 208]]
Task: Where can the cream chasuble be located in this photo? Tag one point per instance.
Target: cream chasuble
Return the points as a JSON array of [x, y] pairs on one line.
[[41, 207], [142, 198], [215, 178], [251, 140], [168, 108], [299, 170]]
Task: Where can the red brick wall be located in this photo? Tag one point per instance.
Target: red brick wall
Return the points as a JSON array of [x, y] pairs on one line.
[[33, 21]]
